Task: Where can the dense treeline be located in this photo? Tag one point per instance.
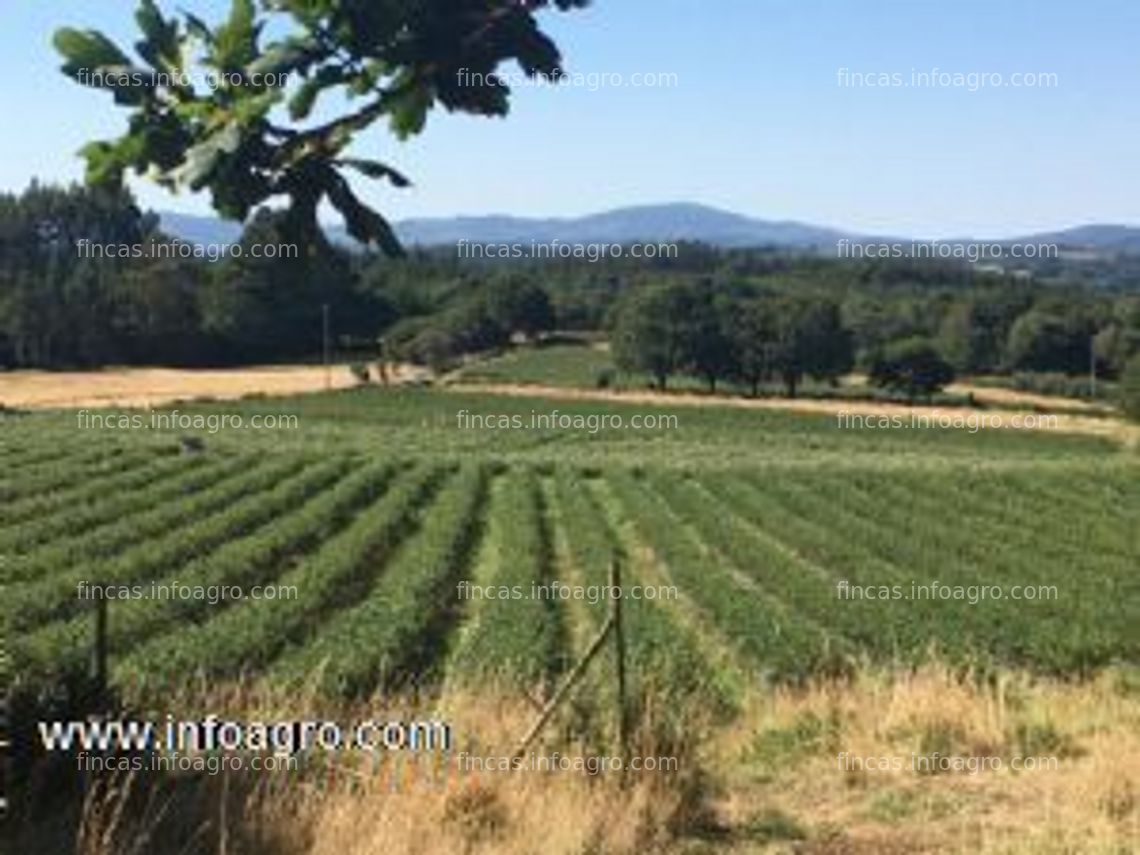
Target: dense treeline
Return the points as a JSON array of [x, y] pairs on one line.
[[74, 294], [87, 279], [743, 315], [917, 340]]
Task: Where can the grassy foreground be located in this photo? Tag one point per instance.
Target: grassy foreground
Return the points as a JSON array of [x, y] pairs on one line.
[[777, 779]]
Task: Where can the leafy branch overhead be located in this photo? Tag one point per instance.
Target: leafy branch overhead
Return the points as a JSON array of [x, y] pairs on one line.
[[228, 109]]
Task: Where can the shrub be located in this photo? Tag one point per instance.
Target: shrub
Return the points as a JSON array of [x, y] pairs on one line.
[[912, 365]]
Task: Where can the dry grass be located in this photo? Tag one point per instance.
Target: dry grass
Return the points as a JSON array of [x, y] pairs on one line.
[[528, 810], [405, 803], [1002, 396], [148, 387], [1110, 428], [144, 387], [785, 751], [769, 781]]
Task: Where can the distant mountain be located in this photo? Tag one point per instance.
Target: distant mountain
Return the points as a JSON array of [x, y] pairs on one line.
[[200, 230], [664, 223], [674, 222], [1105, 238]]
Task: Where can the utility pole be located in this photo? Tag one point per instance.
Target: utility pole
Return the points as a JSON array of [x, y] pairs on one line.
[[325, 344]]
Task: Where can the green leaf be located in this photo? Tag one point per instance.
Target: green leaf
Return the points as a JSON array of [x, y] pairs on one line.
[[283, 59], [375, 169], [399, 54], [362, 222], [253, 107], [235, 42], [106, 159], [229, 138], [367, 79], [198, 28], [104, 168], [203, 158], [86, 51], [160, 46], [301, 104], [129, 84], [164, 145], [409, 110]]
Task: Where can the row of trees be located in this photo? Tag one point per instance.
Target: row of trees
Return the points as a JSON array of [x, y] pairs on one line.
[[694, 329], [752, 335]]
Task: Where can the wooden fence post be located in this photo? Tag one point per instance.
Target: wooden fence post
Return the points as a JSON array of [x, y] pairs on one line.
[[613, 624], [616, 594], [570, 680]]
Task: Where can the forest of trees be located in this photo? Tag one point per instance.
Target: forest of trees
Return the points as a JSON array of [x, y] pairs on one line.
[[739, 315]]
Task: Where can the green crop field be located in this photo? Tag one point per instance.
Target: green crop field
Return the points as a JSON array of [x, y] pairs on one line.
[[377, 504], [551, 365]]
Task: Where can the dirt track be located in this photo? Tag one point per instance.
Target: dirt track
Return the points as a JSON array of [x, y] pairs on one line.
[[1027, 419], [1015, 397]]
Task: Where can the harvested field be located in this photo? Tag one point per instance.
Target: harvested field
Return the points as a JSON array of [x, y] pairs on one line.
[[148, 387]]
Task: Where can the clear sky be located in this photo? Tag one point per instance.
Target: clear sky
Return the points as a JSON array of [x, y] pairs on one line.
[[757, 121]]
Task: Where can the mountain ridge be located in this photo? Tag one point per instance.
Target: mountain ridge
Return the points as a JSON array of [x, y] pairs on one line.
[[670, 222]]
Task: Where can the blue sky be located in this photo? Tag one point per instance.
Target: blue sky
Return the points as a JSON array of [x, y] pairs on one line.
[[757, 122]]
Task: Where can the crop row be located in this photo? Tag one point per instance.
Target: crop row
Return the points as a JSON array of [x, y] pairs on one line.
[[766, 631], [245, 562], [1065, 509], [801, 558], [516, 639], [249, 635], [664, 655], [67, 515], [87, 493], [794, 581], [399, 630], [41, 453], [972, 539], [209, 491], [69, 473], [265, 493], [821, 525]]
